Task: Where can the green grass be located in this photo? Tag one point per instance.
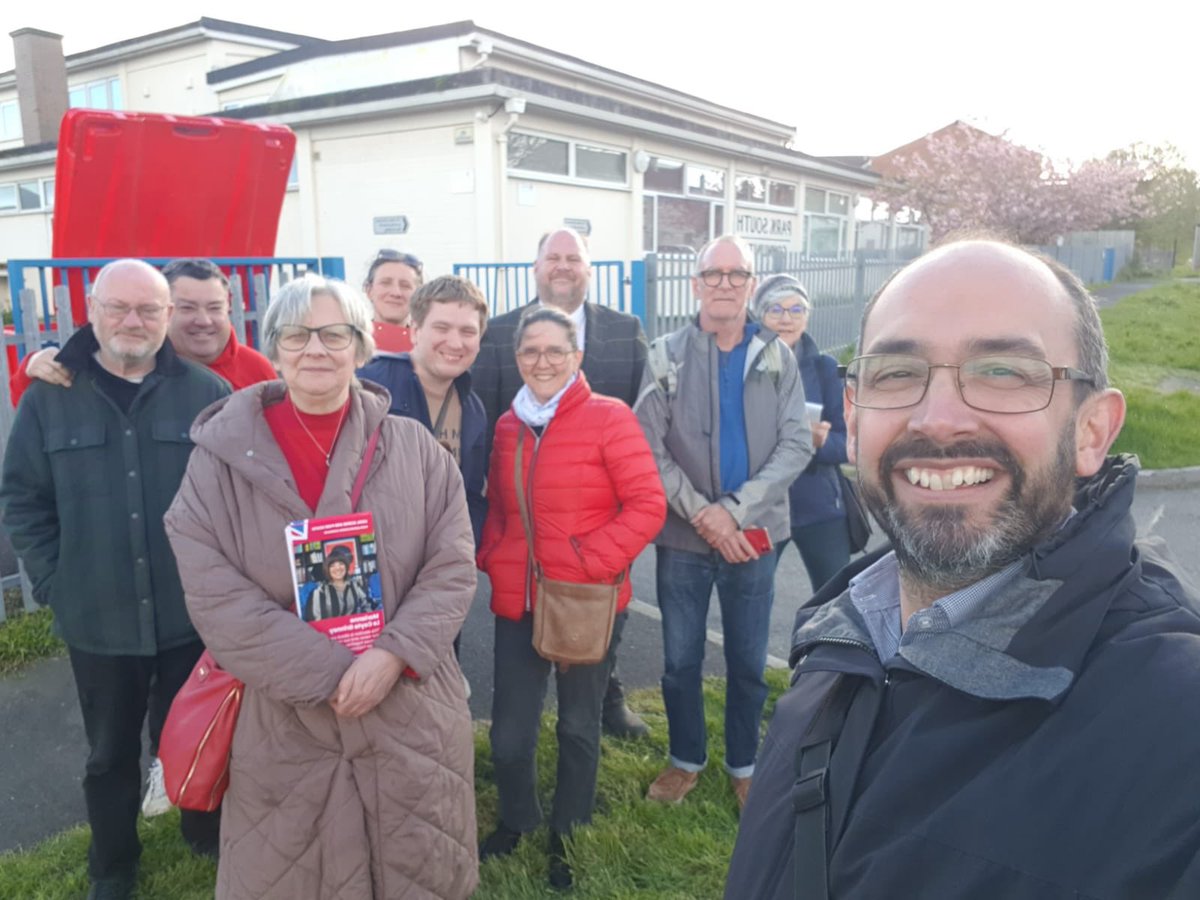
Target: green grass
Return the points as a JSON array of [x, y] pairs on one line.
[[1154, 346], [25, 637], [632, 849]]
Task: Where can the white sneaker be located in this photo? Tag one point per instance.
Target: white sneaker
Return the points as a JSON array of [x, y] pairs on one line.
[[155, 803], [466, 685]]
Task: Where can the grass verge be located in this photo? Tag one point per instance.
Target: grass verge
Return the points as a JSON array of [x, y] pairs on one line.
[[1154, 345], [25, 637], [633, 848]]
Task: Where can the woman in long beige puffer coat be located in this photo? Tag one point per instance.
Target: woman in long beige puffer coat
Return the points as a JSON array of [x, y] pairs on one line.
[[378, 801]]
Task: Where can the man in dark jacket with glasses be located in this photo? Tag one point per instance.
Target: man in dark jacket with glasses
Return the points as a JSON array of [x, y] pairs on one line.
[[1001, 703]]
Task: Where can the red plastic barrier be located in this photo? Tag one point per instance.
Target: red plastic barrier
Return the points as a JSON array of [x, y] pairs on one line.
[[150, 185]]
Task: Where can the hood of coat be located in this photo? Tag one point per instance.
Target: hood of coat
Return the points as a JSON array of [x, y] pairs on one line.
[[235, 430]]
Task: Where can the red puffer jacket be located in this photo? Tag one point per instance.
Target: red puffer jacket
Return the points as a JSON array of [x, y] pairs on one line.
[[593, 491]]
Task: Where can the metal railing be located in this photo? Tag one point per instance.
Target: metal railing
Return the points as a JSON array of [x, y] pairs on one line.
[[46, 294], [838, 288], [509, 286]]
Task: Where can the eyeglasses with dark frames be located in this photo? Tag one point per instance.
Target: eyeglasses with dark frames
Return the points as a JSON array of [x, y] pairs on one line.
[[333, 337], [737, 278], [996, 384], [556, 356]]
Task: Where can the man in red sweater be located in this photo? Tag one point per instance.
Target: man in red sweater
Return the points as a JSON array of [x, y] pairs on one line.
[[200, 330]]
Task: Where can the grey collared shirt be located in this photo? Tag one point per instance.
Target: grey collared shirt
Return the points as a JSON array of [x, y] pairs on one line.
[[875, 593]]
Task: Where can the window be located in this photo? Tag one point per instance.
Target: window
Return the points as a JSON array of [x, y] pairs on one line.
[[759, 189], [531, 153], [782, 194], [102, 94], [826, 221], [30, 195], [679, 224], [825, 234], [10, 120], [293, 180], [705, 182], [598, 164], [751, 189], [664, 175], [27, 196]]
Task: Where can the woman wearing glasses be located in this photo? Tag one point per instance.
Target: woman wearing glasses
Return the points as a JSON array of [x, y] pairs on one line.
[[350, 775], [595, 501], [818, 510], [392, 279]]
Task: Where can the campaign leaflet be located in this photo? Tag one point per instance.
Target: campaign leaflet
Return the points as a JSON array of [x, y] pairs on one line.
[[335, 572]]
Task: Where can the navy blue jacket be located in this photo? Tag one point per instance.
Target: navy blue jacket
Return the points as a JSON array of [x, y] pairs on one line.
[[396, 373], [816, 496], [1046, 748]]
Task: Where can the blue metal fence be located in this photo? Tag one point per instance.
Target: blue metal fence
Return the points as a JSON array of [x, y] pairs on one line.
[[254, 276], [660, 289], [508, 286]]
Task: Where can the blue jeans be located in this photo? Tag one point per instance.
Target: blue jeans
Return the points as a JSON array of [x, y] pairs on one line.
[[745, 590]]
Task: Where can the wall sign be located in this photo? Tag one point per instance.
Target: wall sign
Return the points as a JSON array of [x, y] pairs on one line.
[[390, 224], [764, 225]]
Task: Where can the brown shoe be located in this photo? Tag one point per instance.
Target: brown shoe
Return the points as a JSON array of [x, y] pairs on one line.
[[672, 785], [741, 789]]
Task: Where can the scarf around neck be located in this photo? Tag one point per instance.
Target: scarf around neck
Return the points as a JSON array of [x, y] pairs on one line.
[[534, 414]]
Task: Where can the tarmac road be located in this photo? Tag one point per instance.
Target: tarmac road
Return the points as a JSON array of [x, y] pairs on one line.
[[42, 745]]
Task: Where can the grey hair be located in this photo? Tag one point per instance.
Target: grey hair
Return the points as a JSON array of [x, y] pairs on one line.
[[546, 314], [292, 304], [1090, 346]]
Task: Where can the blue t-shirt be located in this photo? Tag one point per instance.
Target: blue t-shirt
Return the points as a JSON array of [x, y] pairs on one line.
[[735, 453]]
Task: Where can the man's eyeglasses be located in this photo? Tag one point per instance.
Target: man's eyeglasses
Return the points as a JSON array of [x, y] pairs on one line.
[[556, 356], [777, 310], [333, 337], [737, 278], [118, 311], [998, 384]]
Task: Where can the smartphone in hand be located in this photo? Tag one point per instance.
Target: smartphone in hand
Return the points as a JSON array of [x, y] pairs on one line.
[[759, 540]]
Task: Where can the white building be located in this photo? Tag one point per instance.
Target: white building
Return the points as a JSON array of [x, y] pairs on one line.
[[468, 142]]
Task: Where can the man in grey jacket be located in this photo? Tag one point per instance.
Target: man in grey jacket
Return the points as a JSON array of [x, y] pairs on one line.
[[723, 408]]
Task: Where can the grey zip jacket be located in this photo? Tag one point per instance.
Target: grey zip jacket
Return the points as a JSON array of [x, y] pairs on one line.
[[682, 424]]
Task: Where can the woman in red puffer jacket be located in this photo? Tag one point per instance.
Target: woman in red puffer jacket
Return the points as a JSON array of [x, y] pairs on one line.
[[596, 500]]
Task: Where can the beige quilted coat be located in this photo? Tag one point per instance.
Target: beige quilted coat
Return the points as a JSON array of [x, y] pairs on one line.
[[320, 808]]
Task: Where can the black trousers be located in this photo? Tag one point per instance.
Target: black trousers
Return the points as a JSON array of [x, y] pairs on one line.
[[115, 695], [521, 677]]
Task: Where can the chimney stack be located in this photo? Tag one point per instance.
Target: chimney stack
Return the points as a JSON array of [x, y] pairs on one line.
[[41, 71]]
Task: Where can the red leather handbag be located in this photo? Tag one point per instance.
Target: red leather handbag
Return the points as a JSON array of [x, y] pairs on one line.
[[197, 736]]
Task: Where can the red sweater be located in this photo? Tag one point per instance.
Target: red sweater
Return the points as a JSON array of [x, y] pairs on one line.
[[242, 366], [238, 364], [304, 457], [594, 495]]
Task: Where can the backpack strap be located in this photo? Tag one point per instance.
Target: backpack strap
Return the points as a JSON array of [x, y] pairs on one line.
[[665, 372], [810, 792]]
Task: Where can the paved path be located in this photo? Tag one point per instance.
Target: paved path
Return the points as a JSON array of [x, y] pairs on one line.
[[42, 746]]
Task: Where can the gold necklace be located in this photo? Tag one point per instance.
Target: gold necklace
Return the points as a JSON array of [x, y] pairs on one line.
[[328, 455]]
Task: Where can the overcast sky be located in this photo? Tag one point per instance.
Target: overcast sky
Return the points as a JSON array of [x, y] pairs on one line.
[[1073, 78]]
